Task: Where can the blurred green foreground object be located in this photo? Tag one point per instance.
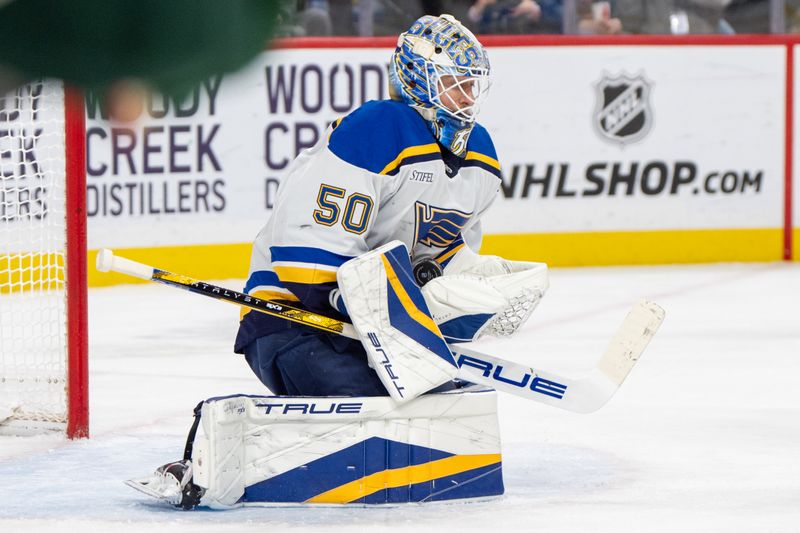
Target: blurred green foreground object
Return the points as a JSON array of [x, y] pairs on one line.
[[168, 45]]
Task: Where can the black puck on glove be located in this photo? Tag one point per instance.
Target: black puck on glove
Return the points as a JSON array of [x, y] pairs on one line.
[[426, 270]]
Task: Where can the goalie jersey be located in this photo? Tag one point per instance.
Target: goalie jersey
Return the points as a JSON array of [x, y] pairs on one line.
[[376, 175]]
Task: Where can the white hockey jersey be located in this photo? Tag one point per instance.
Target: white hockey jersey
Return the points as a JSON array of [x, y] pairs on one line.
[[376, 175]]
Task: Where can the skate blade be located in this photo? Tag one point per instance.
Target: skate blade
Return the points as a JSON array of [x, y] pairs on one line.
[[145, 486]]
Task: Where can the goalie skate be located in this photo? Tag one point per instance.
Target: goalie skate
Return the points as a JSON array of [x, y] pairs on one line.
[[171, 483]]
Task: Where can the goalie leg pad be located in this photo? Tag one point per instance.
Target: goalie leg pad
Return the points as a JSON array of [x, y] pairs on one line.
[[359, 450]]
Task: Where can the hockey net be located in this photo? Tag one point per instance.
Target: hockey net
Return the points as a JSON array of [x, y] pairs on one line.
[[43, 344]]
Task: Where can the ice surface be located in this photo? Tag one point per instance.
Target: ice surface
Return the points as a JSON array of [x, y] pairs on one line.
[[704, 435]]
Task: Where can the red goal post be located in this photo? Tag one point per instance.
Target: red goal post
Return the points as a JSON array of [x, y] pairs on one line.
[[43, 287]]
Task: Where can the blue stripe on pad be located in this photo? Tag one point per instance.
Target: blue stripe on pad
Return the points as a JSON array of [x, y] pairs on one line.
[[398, 258], [463, 328], [480, 482], [399, 317], [367, 457]]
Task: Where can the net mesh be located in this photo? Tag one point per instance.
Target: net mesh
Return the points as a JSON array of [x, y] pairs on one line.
[[33, 368]]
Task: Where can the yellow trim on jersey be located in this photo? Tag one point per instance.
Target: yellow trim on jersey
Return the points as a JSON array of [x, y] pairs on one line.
[[406, 301], [334, 125], [409, 152], [403, 477], [304, 275], [484, 159], [448, 254]]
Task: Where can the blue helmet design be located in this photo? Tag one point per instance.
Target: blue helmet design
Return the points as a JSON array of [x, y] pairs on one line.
[[441, 69]]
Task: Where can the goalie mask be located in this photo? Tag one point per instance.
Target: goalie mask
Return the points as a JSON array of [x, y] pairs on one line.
[[441, 69]]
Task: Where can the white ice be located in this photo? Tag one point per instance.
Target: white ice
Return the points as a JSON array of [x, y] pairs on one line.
[[703, 436]]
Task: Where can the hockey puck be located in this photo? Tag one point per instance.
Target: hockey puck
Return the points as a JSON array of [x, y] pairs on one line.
[[426, 270]]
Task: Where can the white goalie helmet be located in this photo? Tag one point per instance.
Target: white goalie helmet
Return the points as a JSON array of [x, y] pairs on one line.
[[438, 63], [441, 69]]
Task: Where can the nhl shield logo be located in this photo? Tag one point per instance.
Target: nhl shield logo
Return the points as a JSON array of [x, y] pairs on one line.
[[623, 112]]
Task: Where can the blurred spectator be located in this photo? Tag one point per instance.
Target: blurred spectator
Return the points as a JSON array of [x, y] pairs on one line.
[[677, 17], [516, 16], [753, 16], [793, 16], [504, 16], [432, 7], [342, 17], [338, 17], [315, 19], [595, 18], [319, 18]]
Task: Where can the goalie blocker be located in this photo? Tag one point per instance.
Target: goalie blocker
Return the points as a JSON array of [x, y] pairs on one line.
[[252, 450], [405, 330]]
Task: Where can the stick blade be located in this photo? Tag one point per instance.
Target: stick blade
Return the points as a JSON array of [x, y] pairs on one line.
[[630, 341]]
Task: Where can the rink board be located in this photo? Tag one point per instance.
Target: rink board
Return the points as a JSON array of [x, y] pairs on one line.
[[688, 165]]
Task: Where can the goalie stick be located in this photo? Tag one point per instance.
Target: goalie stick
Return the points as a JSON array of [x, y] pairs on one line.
[[583, 394]]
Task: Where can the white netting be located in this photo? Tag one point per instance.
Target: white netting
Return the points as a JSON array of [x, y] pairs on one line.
[[32, 254], [518, 311]]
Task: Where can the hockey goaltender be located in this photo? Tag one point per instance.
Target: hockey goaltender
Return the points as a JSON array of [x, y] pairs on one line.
[[377, 226]]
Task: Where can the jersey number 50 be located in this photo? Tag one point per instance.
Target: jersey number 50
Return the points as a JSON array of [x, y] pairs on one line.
[[357, 209]]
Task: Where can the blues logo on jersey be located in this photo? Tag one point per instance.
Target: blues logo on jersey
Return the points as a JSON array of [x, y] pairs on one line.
[[439, 227]]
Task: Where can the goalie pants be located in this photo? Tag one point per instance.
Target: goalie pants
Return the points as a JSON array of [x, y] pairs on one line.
[[299, 361]]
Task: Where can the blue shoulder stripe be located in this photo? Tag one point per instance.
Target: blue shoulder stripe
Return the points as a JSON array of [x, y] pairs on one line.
[[381, 135], [480, 164], [481, 142], [481, 152], [415, 154]]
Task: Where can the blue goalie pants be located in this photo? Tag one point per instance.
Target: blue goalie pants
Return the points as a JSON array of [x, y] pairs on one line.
[[299, 361]]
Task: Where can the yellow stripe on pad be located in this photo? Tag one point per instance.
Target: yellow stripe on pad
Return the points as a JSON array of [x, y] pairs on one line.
[[405, 300], [484, 159], [304, 275], [448, 254], [403, 477], [409, 152]]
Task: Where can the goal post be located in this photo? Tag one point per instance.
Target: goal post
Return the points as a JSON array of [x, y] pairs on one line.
[[43, 287], [76, 274]]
